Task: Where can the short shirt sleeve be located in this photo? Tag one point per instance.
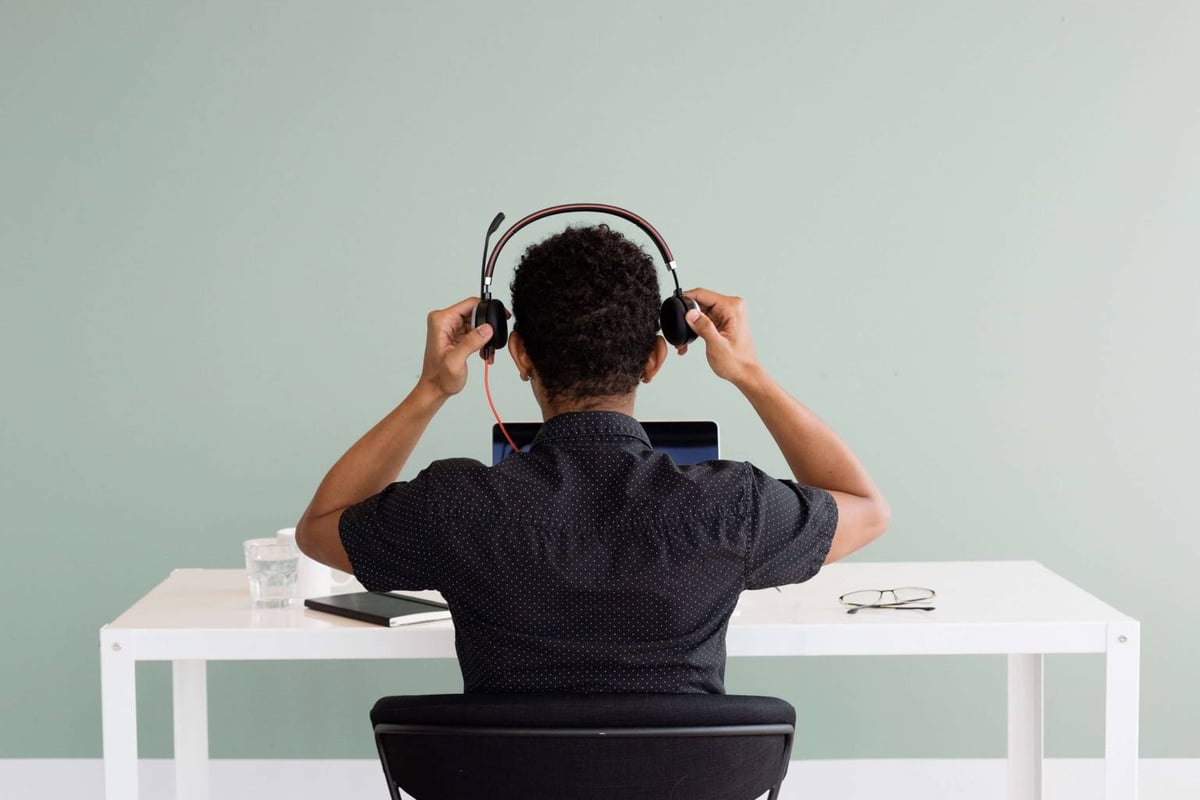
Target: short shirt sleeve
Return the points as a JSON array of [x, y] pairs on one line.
[[793, 527], [392, 538]]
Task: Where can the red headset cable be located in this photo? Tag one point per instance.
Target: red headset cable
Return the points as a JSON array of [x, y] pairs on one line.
[[488, 391]]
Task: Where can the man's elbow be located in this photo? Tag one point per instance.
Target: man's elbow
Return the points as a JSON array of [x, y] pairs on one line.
[[303, 536], [861, 521], [883, 517], [876, 522], [319, 539]]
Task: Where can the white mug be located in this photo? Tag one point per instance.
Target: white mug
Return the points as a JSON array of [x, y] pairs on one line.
[[314, 579]]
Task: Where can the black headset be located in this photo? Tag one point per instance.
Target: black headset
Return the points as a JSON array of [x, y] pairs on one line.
[[674, 309]]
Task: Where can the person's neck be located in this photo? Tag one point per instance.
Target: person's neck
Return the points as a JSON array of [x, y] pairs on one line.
[[621, 404]]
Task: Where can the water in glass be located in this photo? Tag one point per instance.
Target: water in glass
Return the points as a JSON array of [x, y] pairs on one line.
[[271, 565]]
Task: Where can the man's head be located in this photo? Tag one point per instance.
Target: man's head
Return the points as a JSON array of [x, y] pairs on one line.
[[586, 304]]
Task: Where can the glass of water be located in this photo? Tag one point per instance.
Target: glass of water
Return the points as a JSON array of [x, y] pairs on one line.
[[271, 565]]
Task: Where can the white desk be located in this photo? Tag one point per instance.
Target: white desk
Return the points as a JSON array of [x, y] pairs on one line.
[[1018, 608]]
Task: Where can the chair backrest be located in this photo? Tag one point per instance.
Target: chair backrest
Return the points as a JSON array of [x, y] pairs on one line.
[[584, 747]]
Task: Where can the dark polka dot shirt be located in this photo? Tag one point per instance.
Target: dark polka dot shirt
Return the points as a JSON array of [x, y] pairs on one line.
[[591, 563]]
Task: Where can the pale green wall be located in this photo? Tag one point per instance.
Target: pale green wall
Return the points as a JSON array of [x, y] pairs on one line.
[[966, 232]]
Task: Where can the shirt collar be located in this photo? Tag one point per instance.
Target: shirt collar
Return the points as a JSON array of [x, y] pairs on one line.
[[590, 426]]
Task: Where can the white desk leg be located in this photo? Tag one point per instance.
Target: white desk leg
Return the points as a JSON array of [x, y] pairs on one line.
[[1121, 711], [189, 688], [1025, 726], [118, 708]]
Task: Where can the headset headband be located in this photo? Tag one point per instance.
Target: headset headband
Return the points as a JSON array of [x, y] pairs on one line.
[[485, 288]]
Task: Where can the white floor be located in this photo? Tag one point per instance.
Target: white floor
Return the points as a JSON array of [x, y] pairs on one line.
[[926, 779]]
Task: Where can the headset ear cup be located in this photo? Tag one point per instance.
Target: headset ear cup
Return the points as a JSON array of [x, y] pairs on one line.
[[674, 320], [493, 313]]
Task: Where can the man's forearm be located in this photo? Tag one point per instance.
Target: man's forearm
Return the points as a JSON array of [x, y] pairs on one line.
[[376, 459], [814, 453]]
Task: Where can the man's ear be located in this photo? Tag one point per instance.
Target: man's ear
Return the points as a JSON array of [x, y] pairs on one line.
[[516, 348], [658, 357]]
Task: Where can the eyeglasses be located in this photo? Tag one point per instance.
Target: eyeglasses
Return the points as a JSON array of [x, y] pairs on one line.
[[899, 599]]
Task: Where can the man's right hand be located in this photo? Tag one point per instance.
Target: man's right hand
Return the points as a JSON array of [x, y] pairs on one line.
[[450, 339], [724, 326]]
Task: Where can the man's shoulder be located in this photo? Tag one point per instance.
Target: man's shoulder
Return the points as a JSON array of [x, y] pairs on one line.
[[720, 470], [453, 471], [451, 465], [703, 488]]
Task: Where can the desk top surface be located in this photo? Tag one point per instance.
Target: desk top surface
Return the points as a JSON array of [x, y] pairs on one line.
[[972, 593]]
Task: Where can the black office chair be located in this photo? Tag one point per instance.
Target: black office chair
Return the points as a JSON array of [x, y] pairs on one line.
[[584, 747]]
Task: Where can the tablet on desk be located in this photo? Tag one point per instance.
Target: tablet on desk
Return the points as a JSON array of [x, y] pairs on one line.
[[381, 608]]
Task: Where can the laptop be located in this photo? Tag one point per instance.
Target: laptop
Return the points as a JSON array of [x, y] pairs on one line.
[[687, 442]]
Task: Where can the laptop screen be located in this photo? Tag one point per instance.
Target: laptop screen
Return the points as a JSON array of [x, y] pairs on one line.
[[687, 442]]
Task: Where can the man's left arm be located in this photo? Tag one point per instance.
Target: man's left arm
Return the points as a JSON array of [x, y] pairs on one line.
[[377, 458]]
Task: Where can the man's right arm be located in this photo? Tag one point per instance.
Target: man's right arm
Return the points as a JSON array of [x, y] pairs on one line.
[[815, 454]]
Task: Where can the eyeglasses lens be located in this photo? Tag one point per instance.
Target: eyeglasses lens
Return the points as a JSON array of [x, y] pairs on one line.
[[865, 598], [909, 594]]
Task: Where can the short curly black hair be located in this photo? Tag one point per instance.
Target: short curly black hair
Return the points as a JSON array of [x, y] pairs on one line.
[[586, 303]]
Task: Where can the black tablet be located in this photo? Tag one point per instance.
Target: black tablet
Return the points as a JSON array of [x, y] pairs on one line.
[[381, 608]]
